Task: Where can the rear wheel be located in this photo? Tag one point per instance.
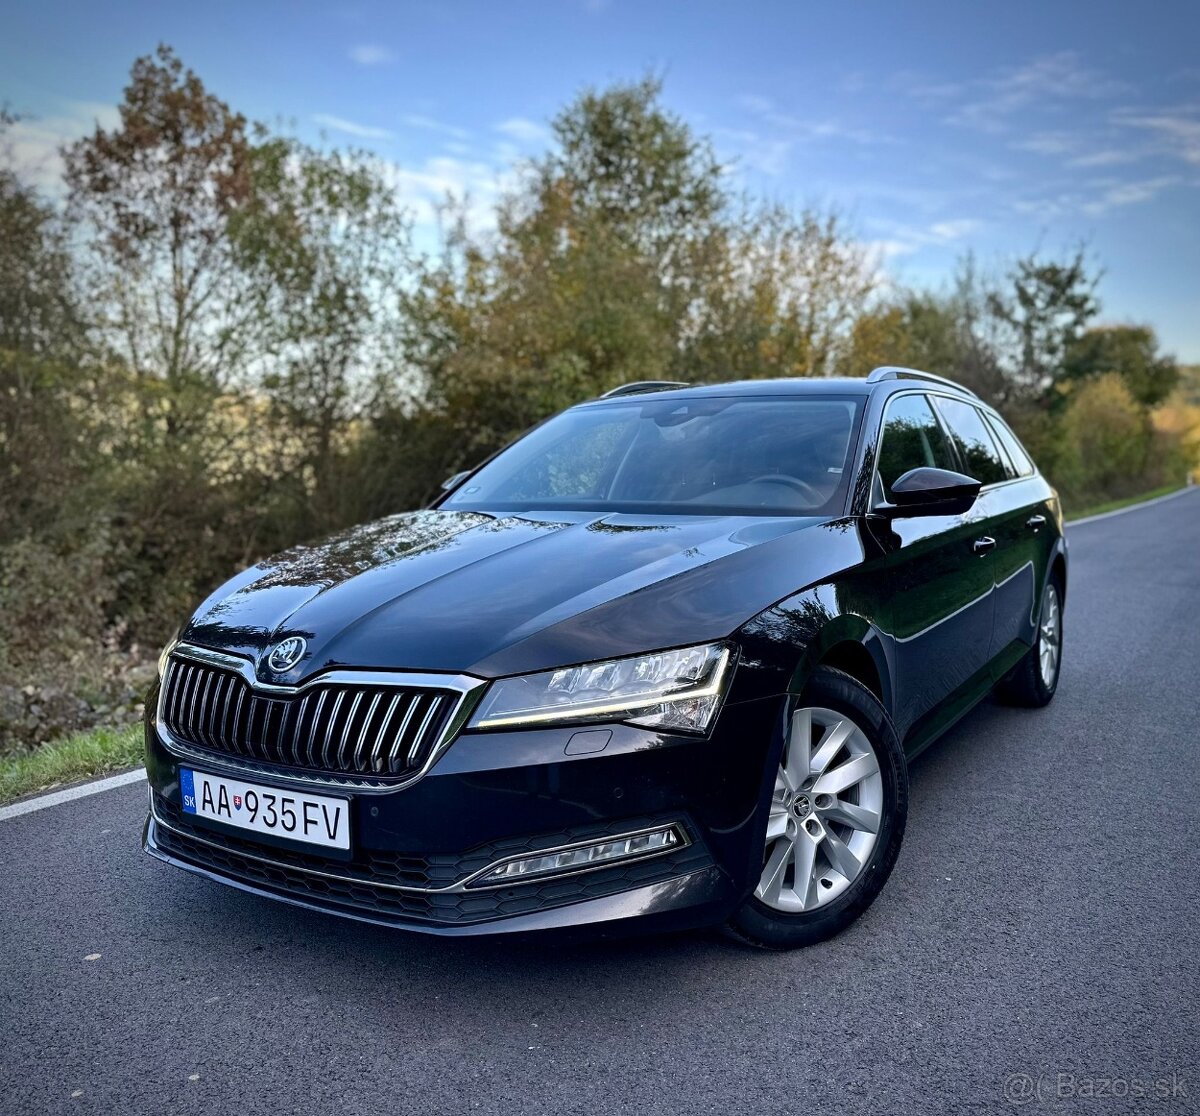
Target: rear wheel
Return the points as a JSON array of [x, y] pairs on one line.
[[1035, 678], [836, 817]]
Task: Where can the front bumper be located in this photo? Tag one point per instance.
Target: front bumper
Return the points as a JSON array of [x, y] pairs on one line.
[[494, 795]]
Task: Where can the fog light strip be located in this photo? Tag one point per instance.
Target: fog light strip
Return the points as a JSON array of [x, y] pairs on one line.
[[581, 858]]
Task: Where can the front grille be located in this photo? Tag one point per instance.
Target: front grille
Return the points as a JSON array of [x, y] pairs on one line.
[[345, 728]]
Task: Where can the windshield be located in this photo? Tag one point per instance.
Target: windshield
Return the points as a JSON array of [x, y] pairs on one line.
[[708, 455]]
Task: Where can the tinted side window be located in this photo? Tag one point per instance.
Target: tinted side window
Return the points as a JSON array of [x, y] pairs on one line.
[[911, 438], [1014, 449], [980, 457]]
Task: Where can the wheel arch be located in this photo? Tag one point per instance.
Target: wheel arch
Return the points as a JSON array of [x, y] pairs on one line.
[[1058, 570], [852, 645]]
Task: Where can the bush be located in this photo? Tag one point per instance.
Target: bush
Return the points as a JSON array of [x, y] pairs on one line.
[[63, 665], [1107, 443]]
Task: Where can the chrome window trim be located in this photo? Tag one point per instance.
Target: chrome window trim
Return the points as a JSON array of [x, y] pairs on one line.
[[468, 687], [459, 886], [931, 393]]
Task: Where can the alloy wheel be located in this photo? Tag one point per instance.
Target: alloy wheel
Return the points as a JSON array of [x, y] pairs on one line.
[[1050, 636], [825, 813]]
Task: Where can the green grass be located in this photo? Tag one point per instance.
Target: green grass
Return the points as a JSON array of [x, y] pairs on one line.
[[1114, 505], [69, 760]]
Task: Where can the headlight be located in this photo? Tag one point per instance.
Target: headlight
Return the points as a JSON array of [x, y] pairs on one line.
[[676, 690]]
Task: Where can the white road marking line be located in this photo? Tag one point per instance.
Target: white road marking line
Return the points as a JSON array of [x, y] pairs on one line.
[[44, 801], [1133, 507]]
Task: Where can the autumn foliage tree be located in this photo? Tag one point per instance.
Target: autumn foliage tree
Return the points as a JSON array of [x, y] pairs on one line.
[[153, 199]]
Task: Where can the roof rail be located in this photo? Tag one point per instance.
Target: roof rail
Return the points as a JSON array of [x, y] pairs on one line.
[[894, 372], [642, 386]]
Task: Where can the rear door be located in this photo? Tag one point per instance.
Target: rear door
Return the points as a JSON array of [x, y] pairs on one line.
[[940, 589], [1023, 550]]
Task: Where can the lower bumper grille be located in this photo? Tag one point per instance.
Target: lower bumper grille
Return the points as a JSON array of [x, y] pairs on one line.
[[369, 885]]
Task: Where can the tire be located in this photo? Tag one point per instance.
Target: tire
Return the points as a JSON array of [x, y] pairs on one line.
[[837, 731], [1030, 684]]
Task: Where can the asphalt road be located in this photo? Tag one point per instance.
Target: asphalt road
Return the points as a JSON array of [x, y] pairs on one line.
[[1043, 920]]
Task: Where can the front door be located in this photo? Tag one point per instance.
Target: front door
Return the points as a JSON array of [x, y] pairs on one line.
[[939, 580]]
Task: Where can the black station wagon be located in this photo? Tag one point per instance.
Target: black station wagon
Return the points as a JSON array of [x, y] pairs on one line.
[[661, 662]]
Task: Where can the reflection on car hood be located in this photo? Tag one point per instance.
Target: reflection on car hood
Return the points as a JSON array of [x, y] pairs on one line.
[[465, 591]]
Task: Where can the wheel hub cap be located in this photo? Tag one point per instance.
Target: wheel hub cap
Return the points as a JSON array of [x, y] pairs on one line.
[[825, 814], [801, 806]]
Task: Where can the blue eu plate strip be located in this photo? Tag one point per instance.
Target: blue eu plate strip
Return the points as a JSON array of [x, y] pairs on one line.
[[187, 789]]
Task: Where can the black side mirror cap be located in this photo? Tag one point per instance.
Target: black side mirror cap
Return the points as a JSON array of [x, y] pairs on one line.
[[927, 491]]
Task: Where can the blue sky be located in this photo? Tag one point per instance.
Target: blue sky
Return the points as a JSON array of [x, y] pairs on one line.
[[936, 127]]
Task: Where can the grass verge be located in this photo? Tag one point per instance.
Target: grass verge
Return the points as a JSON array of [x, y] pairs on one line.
[[1115, 505], [84, 756]]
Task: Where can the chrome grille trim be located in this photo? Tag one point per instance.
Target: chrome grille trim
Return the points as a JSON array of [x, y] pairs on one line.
[[285, 734]]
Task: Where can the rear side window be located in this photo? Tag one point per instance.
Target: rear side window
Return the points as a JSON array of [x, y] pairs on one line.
[[912, 437], [976, 446], [1016, 452]]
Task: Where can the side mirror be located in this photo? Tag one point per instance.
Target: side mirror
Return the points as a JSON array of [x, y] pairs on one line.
[[455, 481], [927, 491]]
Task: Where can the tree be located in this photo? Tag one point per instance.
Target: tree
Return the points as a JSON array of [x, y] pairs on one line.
[[1129, 351], [45, 450], [951, 333], [326, 245], [622, 256], [154, 198], [1108, 435], [39, 311], [1047, 308], [597, 259], [790, 288]]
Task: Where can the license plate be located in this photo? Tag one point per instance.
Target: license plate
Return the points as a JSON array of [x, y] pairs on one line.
[[311, 818]]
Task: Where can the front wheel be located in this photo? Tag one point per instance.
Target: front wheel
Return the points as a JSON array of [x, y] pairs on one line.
[[836, 818]]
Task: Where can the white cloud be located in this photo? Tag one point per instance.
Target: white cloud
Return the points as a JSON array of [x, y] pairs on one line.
[[32, 145], [1045, 81], [1094, 199], [1128, 193], [880, 251], [429, 124], [755, 151], [1177, 130], [371, 54], [1048, 143], [955, 229], [523, 131], [473, 183], [1080, 149], [1106, 157], [900, 239], [350, 127], [793, 129]]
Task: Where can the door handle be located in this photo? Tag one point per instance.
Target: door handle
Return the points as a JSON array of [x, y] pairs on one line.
[[1036, 521], [984, 545]]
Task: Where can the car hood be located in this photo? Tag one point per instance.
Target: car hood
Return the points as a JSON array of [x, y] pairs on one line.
[[491, 595]]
